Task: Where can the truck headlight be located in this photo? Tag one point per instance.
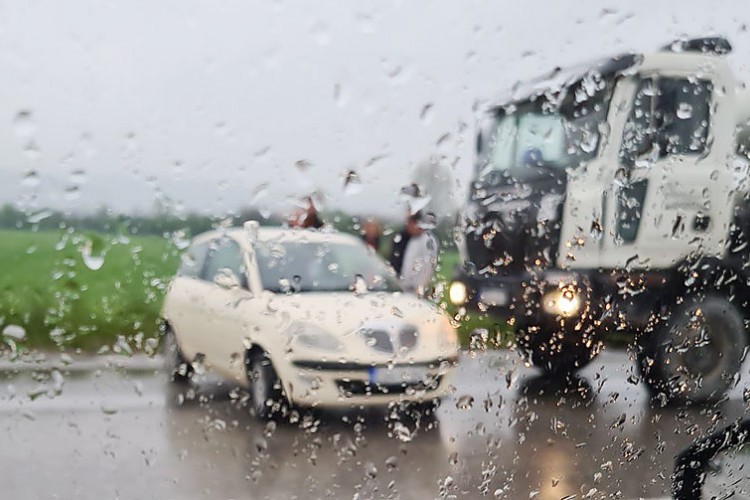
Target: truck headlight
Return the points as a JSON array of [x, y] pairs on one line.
[[458, 293], [564, 301]]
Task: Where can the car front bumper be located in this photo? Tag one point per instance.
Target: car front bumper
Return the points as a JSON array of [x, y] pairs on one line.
[[343, 384]]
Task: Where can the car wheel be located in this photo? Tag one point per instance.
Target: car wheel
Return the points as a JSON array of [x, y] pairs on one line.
[[266, 393], [179, 370], [696, 354]]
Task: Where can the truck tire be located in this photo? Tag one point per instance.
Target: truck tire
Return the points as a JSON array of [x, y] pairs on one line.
[[558, 355], [695, 355]]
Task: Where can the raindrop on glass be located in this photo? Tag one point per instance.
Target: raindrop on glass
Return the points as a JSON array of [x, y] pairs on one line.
[[352, 183]]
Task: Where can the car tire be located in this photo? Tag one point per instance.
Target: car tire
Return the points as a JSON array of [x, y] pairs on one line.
[[179, 370], [696, 354], [266, 393]]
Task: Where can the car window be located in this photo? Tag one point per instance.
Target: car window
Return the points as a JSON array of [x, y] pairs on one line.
[[193, 260], [224, 254], [323, 267]]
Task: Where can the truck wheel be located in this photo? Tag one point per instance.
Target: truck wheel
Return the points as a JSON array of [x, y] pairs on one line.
[[179, 370], [696, 354], [559, 355], [266, 393]]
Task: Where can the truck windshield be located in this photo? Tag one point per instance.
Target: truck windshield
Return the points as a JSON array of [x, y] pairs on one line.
[[549, 132]]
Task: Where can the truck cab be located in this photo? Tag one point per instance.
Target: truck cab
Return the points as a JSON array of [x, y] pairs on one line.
[[612, 197]]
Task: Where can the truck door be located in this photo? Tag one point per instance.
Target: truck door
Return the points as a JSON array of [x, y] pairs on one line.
[[670, 190], [588, 190]]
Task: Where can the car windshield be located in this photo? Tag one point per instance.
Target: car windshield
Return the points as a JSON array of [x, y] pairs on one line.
[[288, 267], [550, 132]]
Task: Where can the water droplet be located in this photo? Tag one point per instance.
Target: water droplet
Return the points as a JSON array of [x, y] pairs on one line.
[[465, 402], [303, 165], [38, 217], [30, 179], [366, 23], [360, 285], [426, 114], [78, 176], [684, 111], [107, 409], [320, 33], [262, 152], [24, 125], [180, 240], [16, 332], [72, 193], [352, 183], [93, 260], [402, 432], [371, 470]]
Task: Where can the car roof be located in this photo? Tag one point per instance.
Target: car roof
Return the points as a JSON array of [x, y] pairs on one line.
[[280, 234]]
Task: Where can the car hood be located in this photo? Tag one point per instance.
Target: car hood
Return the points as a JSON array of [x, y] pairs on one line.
[[343, 315]]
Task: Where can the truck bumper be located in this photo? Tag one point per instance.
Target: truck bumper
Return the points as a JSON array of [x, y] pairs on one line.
[[545, 298]]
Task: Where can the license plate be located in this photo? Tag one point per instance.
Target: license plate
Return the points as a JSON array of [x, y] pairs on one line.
[[398, 375], [494, 296]]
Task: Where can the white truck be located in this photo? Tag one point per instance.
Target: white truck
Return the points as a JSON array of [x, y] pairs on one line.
[[614, 197]]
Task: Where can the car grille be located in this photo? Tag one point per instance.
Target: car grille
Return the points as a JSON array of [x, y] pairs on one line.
[[390, 341], [362, 388]]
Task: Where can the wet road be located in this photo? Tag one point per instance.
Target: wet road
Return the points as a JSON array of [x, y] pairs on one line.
[[111, 434]]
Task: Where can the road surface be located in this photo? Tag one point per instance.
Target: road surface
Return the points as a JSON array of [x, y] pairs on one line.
[[121, 434]]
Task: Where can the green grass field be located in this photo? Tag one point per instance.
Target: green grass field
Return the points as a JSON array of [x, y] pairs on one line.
[[47, 288]]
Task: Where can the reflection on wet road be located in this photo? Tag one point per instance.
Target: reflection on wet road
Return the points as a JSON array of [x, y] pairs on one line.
[[502, 434]]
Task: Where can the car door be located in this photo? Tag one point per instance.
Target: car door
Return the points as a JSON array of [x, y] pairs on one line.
[[221, 323], [183, 301], [670, 190]]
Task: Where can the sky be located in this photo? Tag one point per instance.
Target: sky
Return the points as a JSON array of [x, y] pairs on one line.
[[210, 106]]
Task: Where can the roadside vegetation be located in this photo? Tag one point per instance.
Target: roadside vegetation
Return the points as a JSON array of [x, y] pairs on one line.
[[82, 289], [96, 291]]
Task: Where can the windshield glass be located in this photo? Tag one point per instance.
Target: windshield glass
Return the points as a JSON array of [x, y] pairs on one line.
[[545, 133], [287, 267]]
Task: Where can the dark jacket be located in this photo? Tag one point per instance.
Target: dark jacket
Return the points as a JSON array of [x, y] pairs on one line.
[[398, 248]]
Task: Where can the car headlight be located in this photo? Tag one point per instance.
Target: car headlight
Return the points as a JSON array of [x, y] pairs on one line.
[[564, 301], [309, 336], [458, 293]]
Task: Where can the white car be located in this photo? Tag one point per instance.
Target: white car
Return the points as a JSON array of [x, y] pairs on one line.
[[304, 317]]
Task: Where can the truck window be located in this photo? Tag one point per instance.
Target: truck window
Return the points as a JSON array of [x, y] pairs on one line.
[[669, 114]]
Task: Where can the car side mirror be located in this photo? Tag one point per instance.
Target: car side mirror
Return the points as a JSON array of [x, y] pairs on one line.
[[714, 464], [226, 279]]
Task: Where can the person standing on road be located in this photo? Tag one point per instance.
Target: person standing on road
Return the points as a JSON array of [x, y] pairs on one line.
[[419, 259], [400, 241], [306, 218], [371, 232]]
